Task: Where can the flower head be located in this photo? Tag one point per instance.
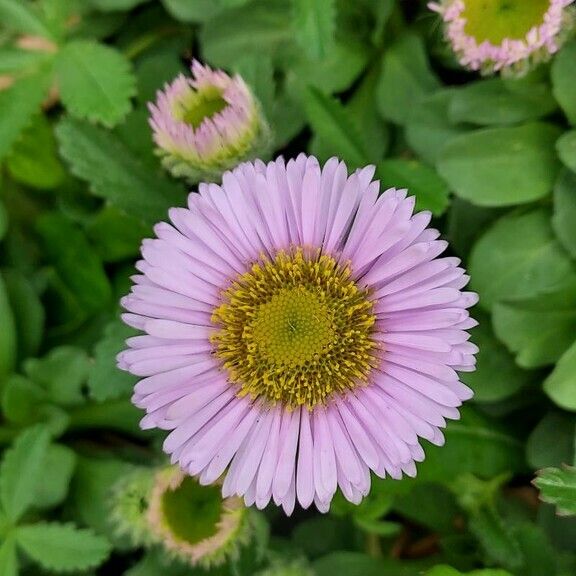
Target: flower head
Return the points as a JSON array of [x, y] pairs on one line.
[[300, 331], [206, 124], [193, 522], [504, 35]]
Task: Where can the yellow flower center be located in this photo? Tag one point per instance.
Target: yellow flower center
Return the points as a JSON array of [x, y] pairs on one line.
[[295, 330], [496, 20]]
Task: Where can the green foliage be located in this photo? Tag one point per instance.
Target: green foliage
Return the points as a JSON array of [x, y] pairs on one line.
[[406, 78], [372, 82], [563, 81], [518, 257], [127, 182], [62, 547], [20, 471], [558, 486], [96, 82], [19, 103], [502, 166], [314, 25]]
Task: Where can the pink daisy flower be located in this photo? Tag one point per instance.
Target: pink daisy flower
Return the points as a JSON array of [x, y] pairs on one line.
[[206, 124], [508, 36], [300, 332]]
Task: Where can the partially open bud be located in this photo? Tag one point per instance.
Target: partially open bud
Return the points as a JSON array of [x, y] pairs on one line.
[[510, 37], [193, 522], [207, 124]]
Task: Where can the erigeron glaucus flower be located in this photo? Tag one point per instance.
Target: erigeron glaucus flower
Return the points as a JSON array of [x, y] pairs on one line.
[[193, 522], [504, 35], [207, 124], [300, 331]]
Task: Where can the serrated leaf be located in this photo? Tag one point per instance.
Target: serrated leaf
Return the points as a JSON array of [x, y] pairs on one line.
[[564, 80], [75, 260], [560, 385], [106, 380], [62, 547], [115, 173], [314, 25], [22, 400], [502, 166], [331, 122], [518, 257], [23, 17], [8, 558], [558, 486], [539, 329], [58, 469], [19, 104], [20, 471], [96, 82]]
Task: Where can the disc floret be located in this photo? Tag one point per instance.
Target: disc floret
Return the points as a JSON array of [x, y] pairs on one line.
[[295, 329]]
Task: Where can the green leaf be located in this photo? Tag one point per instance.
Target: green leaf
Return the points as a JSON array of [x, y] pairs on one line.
[[106, 380], [75, 261], [561, 384], [565, 211], [115, 235], [57, 472], [558, 486], [8, 558], [539, 556], [3, 220], [23, 17], [90, 491], [552, 442], [96, 82], [490, 102], [564, 81], [8, 337], [383, 528], [197, 11], [422, 181], [115, 5], [62, 547], [33, 160], [115, 173], [477, 445], [19, 104], [496, 376], [22, 400], [318, 536], [566, 146], [502, 166], [260, 27], [444, 570], [538, 329], [21, 470], [405, 80], [343, 563], [62, 372], [496, 538], [331, 122], [518, 257], [27, 310], [428, 127], [314, 24]]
